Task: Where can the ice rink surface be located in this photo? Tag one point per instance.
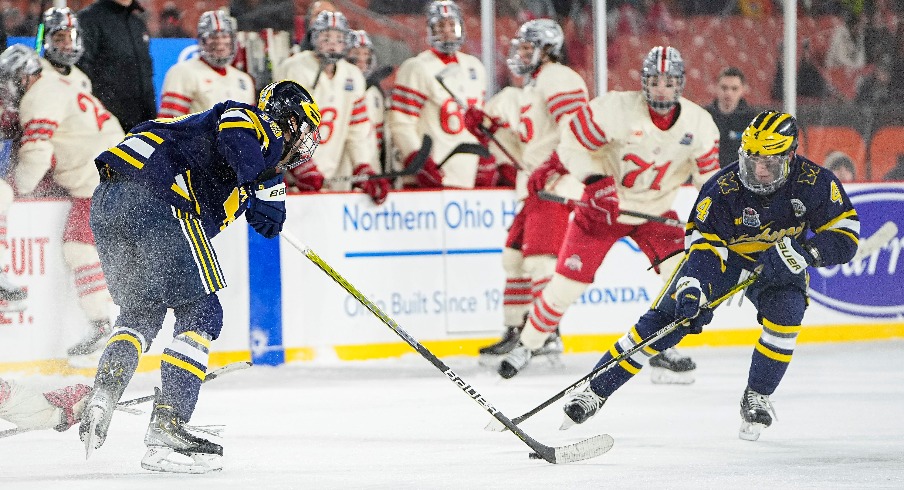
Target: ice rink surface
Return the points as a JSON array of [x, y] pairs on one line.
[[402, 424]]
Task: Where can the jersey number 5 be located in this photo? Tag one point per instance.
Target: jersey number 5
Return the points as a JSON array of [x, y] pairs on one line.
[[100, 115]]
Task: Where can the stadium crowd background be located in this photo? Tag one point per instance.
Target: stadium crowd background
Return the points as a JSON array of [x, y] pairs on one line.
[[849, 99]]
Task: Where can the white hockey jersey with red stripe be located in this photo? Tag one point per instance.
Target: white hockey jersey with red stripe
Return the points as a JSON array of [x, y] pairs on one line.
[[614, 135], [194, 86], [64, 128], [76, 76], [420, 106], [345, 128]]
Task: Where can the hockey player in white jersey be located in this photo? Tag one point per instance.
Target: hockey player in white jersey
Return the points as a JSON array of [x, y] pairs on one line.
[[63, 46], [361, 54], [63, 129], [31, 408], [552, 93], [345, 129], [632, 150], [196, 84], [420, 105]]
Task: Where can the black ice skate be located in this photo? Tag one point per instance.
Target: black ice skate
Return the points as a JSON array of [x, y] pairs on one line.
[[96, 419], [171, 448], [671, 367], [12, 297], [756, 414], [514, 361], [505, 345], [581, 407], [94, 340]]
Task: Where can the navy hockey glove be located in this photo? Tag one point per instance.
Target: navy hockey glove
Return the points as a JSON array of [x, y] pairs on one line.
[[267, 207], [688, 299], [782, 262]]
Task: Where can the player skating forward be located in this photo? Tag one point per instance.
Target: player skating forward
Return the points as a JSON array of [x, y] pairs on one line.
[[420, 105], [345, 131], [63, 129], [154, 213], [63, 46], [551, 93], [632, 150], [772, 211], [196, 84]]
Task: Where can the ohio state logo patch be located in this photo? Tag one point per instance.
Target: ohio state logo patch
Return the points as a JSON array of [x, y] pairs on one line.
[[574, 263]]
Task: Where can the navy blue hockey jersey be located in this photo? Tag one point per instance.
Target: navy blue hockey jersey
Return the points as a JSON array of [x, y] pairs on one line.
[[201, 163], [730, 225]]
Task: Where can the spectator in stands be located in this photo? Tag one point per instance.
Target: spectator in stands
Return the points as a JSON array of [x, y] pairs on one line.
[[875, 89], [730, 112], [841, 165], [171, 22], [847, 49], [880, 38], [117, 59], [810, 82]]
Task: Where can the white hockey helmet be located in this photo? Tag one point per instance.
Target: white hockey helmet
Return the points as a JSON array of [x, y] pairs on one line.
[[62, 20], [545, 35], [360, 41], [439, 10], [16, 63], [213, 22], [663, 61], [330, 21]]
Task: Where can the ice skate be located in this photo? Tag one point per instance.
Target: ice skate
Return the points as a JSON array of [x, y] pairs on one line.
[[514, 361], [94, 340], [756, 414], [581, 407], [96, 419], [173, 449], [671, 367], [505, 345], [12, 297], [551, 349]]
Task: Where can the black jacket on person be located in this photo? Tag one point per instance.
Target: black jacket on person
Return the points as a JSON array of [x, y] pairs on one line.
[[117, 59], [731, 126]]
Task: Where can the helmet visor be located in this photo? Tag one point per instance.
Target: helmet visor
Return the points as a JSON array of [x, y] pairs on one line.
[[300, 149], [523, 57], [763, 174]]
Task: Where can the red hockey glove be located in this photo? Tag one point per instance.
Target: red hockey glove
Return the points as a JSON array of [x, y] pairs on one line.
[[487, 172], [377, 189], [71, 400], [508, 175], [474, 120], [542, 174], [602, 204], [307, 177], [429, 176]]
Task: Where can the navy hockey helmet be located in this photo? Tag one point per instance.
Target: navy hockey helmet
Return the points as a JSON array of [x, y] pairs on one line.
[[545, 35], [62, 41], [294, 110], [663, 61], [767, 146], [330, 21], [17, 62], [212, 49], [438, 11]]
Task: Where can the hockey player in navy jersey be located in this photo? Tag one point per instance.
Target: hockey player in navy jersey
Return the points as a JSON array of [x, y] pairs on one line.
[[168, 188], [773, 213]]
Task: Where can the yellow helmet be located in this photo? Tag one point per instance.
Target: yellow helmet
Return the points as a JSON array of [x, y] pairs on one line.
[[764, 158]]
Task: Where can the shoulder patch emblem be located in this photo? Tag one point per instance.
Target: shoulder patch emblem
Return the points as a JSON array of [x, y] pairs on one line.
[[349, 84], [728, 183], [835, 193], [574, 263], [687, 140], [808, 173], [799, 208], [751, 218]]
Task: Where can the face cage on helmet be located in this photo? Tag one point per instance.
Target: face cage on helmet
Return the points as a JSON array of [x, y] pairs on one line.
[[331, 58], [447, 47], [779, 166], [677, 82], [304, 142], [221, 61], [516, 63], [61, 57]]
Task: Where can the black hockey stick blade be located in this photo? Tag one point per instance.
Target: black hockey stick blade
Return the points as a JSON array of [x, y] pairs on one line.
[[466, 148], [662, 332], [417, 163], [549, 196], [585, 449]]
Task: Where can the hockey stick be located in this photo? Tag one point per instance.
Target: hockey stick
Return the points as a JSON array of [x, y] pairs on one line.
[[466, 148], [417, 163], [549, 196], [662, 332], [585, 449], [491, 136], [235, 366], [876, 241]]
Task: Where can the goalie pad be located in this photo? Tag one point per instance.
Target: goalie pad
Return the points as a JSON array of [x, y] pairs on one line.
[[30, 409]]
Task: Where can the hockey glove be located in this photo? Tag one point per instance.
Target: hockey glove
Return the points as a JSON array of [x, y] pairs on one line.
[[71, 400], [508, 175], [487, 172], [541, 176], [602, 204], [688, 299], [429, 176], [377, 189], [782, 262], [267, 207], [474, 121], [307, 177]]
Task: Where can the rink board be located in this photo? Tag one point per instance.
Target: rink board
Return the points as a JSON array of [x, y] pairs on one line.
[[432, 262]]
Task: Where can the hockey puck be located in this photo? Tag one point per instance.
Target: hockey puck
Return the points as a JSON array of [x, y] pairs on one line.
[[534, 455]]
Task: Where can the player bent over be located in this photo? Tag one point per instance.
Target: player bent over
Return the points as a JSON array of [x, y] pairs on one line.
[[650, 142], [773, 211], [168, 188]]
